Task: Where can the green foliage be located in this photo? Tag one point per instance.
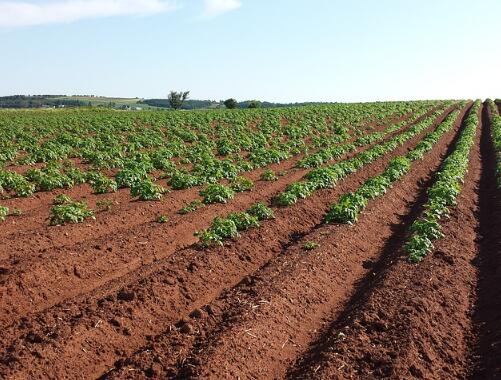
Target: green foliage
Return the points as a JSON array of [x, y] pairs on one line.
[[192, 206], [12, 181], [350, 205], [162, 219], [61, 199], [224, 147], [100, 183], [129, 177], [427, 227], [147, 190], [322, 178], [228, 228], [72, 212], [49, 178], [327, 177], [444, 192], [417, 247], [208, 237], [254, 104], [240, 184], [231, 103], [4, 211], [76, 175], [294, 192], [221, 229], [261, 211], [216, 193], [186, 147], [161, 161], [347, 209], [310, 245], [268, 175], [324, 155], [176, 99], [496, 137], [180, 180], [243, 220]]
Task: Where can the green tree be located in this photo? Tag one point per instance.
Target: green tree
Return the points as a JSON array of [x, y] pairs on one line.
[[230, 103], [176, 99], [255, 104]]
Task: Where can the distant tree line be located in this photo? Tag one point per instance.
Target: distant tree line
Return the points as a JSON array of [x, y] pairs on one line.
[[189, 104], [39, 101], [179, 99]]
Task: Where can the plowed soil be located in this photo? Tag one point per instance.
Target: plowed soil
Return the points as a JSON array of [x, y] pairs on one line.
[[127, 298]]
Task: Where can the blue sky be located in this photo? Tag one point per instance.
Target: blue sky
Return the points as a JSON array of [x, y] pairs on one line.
[[278, 50]]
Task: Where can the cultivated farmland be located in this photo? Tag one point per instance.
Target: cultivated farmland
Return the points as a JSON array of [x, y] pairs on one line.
[[318, 242]]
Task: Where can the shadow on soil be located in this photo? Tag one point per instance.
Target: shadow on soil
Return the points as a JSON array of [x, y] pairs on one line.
[[486, 355]]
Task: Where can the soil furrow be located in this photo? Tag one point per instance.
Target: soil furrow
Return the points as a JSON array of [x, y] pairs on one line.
[[486, 345], [119, 317]]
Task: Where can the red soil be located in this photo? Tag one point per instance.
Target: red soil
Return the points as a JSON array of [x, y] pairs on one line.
[[124, 297]]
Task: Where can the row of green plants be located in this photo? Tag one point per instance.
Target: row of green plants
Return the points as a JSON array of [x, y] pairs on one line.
[[65, 210], [496, 136], [230, 226], [327, 177], [444, 192], [349, 206], [332, 152]]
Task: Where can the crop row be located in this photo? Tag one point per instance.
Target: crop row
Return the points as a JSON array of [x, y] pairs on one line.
[[496, 137], [230, 226], [327, 177], [444, 192], [350, 205], [332, 152], [41, 136]]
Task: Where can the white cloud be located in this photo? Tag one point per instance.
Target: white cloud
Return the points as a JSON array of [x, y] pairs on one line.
[[216, 7], [24, 13]]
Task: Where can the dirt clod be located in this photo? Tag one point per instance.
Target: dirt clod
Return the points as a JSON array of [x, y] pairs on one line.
[[125, 295]]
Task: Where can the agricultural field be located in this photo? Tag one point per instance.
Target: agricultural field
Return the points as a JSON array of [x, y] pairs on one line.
[[343, 241]]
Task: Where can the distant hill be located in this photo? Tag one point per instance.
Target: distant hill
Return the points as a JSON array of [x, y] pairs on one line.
[[51, 101]]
